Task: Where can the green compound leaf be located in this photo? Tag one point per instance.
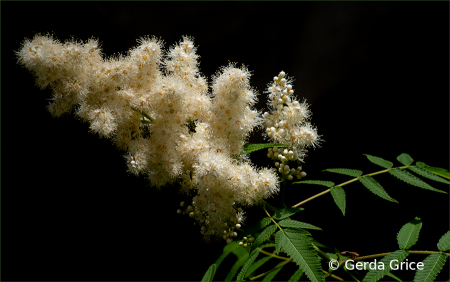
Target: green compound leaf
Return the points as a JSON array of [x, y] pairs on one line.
[[375, 187], [239, 262], [286, 212], [379, 161], [209, 275], [411, 179], [409, 234], [297, 224], [247, 264], [298, 246], [405, 159], [433, 264], [278, 238], [234, 248], [444, 243], [257, 265], [272, 274], [339, 197], [436, 170], [394, 277], [252, 229], [249, 148], [375, 275], [296, 276], [427, 174], [316, 182], [265, 235], [346, 171]]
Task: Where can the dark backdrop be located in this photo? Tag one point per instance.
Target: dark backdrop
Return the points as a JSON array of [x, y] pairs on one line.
[[375, 73]]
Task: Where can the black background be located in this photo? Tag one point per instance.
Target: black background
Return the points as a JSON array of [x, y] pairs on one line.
[[375, 73]]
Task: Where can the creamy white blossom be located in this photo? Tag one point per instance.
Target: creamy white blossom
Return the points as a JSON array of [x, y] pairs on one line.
[[157, 108]]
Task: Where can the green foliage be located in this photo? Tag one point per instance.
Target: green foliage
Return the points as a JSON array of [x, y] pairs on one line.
[[296, 276], [209, 275], [278, 238], [252, 229], [272, 274], [427, 174], [444, 243], [436, 170], [316, 182], [296, 242], [433, 264], [265, 235], [233, 248], [257, 265], [346, 171], [405, 159], [339, 197], [394, 277], [247, 264], [370, 183], [379, 161], [234, 269], [286, 212], [297, 224], [411, 179], [409, 234], [375, 275], [249, 148], [298, 246]]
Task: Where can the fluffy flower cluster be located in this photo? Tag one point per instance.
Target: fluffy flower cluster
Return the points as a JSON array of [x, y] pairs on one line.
[[157, 108]]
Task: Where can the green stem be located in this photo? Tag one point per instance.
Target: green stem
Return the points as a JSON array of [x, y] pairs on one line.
[[273, 269], [332, 275], [327, 257], [273, 255], [272, 219], [270, 207], [345, 183]]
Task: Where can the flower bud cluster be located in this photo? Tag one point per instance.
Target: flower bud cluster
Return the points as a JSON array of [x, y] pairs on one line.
[[210, 226], [246, 241], [287, 122], [283, 158]]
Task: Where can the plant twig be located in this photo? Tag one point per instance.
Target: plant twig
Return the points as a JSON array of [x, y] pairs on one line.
[[273, 255], [345, 183], [273, 269], [272, 219], [334, 276]]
